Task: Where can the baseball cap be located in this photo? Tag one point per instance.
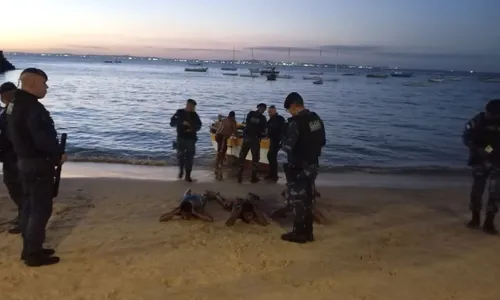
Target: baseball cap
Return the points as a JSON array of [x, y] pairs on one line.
[[7, 87]]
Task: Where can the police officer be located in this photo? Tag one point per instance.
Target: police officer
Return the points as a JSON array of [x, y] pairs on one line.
[[482, 137], [303, 142], [188, 123], [255, 129], [9, 158], [33, 135], [275, 131]]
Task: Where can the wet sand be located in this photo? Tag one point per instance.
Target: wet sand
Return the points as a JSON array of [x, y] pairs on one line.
[[389, 238]]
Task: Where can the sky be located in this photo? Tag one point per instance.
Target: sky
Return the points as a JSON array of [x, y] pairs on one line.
[[452, 34]]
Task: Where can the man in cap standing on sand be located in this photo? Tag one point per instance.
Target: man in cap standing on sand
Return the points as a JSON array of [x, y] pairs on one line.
[[255, 130], [187, 123], [34, 137], [8, 157], [303, 142]]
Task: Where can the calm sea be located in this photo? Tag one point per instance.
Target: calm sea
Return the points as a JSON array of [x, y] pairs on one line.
[[121, 112]]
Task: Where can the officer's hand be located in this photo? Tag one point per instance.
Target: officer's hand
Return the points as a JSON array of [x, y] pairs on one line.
[[64, 158]]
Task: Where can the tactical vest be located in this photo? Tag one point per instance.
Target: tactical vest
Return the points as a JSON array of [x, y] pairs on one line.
[[311, 137]]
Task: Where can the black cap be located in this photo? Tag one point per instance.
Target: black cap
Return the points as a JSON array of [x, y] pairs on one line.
[[232, 114], [293, 98], [272, 106], [191, 101], [493, 107], [262, 105], [7, 87], [35, 71]]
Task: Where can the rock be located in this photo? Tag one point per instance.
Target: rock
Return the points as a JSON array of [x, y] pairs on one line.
[[5, 65]]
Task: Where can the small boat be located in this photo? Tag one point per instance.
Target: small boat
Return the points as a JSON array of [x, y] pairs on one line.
[[196, 69], [251, 75], [350, 74], [316, 73], [436, 79], [331, 79], [195, 64], [319, 81], [271, 77], [311, 77], [377, 75], [284, 76], [234, 145], [230, 74], [268, 71], [401, 74], [229, 69]]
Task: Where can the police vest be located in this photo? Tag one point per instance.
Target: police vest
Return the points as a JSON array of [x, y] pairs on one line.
[[311, 137], [490, 135]]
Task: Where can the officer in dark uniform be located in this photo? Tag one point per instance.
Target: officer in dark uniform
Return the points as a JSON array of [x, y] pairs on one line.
[[34, 137], [303, 142], [482, 137], [255, 130], [275, 131], [9, 158], [188, 123]]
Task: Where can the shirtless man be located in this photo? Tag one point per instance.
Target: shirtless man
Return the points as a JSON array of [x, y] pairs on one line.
[[244, 209], [191, 206]]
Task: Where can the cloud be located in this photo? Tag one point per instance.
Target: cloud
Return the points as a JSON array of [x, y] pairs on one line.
[[86, 47], [323, 48], [192, 49], [283, 49], [349, 48], [429, 55]]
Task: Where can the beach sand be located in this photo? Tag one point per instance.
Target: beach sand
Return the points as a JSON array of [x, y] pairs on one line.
[[382, 243]]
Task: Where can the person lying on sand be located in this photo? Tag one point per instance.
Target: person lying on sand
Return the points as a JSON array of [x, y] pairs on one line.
[[244, 209], [318, 216], [191, 206]]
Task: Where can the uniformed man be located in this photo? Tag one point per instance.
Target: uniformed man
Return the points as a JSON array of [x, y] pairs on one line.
[[303, 142], [275, 131], [188, 123], [255, 130], [482, 137], [34, 137], [8, 157]]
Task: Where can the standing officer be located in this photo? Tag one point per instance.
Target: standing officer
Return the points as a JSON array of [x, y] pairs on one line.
[[303, 142], [275, 131], [9, 158], [482, 137], [188, 123], [255, 130], [34, 137]]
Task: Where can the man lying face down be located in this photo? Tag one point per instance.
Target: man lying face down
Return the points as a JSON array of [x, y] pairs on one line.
[[244, 209], [191, 206]]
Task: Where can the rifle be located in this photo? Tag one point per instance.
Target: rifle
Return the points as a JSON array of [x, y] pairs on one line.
[[57, 179]]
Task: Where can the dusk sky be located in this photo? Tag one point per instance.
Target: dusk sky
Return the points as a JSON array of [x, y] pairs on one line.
[[461, 34]]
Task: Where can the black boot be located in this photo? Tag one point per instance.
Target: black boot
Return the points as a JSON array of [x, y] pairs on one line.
[[297, 235], [40, 259], [308, 227], [181, 172], [255, 179], [45, 251], [475, 222], [489, 224], [188, 176]]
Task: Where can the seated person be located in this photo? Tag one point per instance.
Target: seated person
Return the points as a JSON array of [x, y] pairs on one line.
[[244, 209], [191, 206]]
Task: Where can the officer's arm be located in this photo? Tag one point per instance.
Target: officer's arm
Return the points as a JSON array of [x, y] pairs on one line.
[[291, 138], [249, 117], [175, 119], [197, 122], [43, 132], [472, 128]]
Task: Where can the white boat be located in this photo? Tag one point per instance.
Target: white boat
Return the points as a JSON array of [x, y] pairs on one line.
[[234, 145], [230, 74], [311, 77], [251, 75], [436, 80], [196, 69], [319, 81]]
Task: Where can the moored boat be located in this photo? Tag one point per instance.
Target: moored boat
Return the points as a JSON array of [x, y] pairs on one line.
[[196, 69], [377, 75], [401, 74], [268, 71]]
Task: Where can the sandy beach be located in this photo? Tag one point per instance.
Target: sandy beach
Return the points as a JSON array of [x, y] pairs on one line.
[[384, 242]]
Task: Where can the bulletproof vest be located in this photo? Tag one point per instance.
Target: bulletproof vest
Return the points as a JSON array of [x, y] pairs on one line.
[[252, 129], [311, 137], [490, 135]]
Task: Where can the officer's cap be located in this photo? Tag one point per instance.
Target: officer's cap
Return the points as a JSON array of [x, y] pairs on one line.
[[7, 87], [191, 101], [35, 71], [262, 105], [293, 98], [493, 107]]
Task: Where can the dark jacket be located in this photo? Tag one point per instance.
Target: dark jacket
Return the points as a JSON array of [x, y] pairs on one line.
[[6, 147], [255, 125], [186, 131], [31, 129], [480, 133], [276, 126]]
